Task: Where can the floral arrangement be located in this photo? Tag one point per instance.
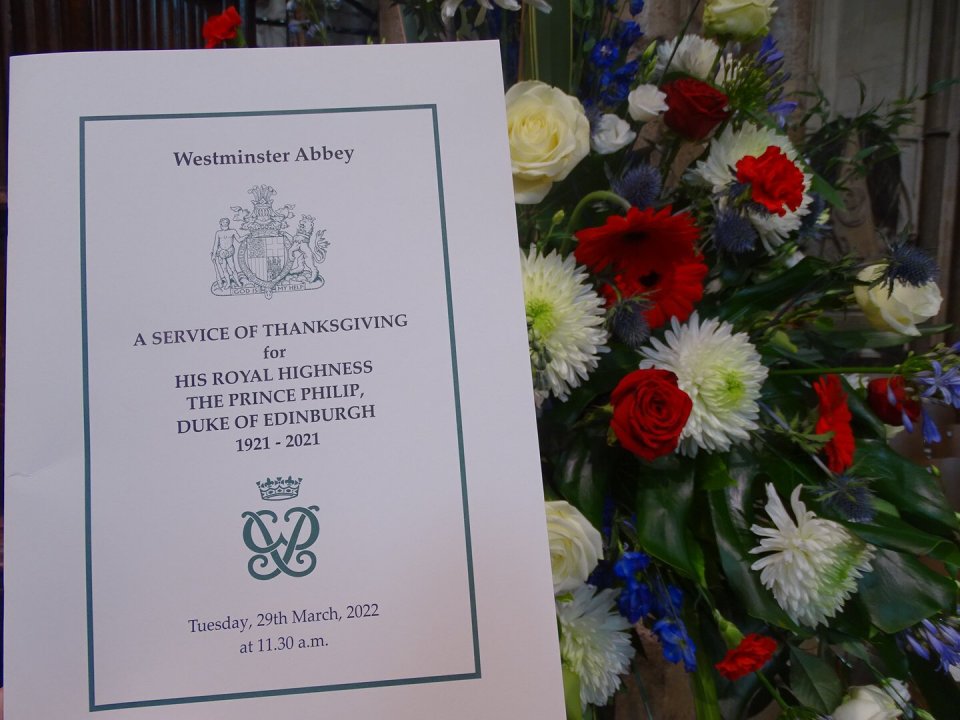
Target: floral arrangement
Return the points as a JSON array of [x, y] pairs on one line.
[[714, 401]]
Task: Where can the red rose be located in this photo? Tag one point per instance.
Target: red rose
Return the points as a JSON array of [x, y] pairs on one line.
[[888, 399], [775, 180], [651, 254], [750, 655], [835, 417], [694, 108], [222, 27], [649, 412]]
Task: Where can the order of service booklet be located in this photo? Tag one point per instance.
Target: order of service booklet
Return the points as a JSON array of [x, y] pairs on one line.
[[270, 439]]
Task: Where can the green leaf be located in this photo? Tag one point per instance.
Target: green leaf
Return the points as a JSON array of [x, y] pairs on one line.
[[814, 682], [901, 591], [770, 294], [893, 533], [732, 514], [827, 191], [663, 513], [712, 472], [914, 491], [571, 694], [582, 478], [860, 339]]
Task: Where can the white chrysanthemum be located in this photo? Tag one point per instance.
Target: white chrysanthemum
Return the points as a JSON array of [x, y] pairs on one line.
[[721, 372], [593, 642], [694, 56], [719, 171], [564, 323], [813, 563]]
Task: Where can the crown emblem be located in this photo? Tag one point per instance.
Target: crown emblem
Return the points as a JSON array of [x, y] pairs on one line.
[[280, 488]]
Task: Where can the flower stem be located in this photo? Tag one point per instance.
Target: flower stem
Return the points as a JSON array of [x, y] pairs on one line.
[[773, 691], [837, 370], [574, 223], [683, 31]]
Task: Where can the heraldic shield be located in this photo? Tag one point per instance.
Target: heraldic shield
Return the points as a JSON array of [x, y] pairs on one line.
[[264, 258], [260, 257]]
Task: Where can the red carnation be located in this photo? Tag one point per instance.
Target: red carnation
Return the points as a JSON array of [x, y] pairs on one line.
[[888, 399], [775, 180], [835, 417], [222, 27], [649, 412], [650, 253], [694, 108], [750, 655]]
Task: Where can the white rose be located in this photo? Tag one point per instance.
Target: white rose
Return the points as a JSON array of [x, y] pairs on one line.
[[611, 134], [869, 702], [646, 102], [900, 310], [694, 56], [742, 19], [549, 134], [575, 546]]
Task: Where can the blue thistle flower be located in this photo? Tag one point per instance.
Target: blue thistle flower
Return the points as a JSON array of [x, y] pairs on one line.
[[629, 322], [910, 265], [640, 185], [636, 7], [850, 497], [733, 233]]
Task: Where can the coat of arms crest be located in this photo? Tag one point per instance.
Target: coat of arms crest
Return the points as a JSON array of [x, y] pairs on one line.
[[261, 257]]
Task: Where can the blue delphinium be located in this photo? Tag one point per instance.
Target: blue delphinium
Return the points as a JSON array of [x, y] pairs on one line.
[[607, 73], [645, 597], [605, 53], [676, 643]]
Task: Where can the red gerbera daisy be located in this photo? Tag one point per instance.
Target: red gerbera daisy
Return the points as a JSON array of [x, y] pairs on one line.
[[835, 417], [650, 252], [673, 294]]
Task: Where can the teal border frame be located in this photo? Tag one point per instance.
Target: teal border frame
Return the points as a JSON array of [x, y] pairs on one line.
[[86, 420]]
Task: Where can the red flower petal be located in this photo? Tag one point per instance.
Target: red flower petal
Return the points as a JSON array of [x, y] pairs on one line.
[[753, 652], [835, 417], [775, 181]]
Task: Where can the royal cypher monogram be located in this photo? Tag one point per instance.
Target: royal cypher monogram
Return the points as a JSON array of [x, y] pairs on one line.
[[287, 554], [260, 257]]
